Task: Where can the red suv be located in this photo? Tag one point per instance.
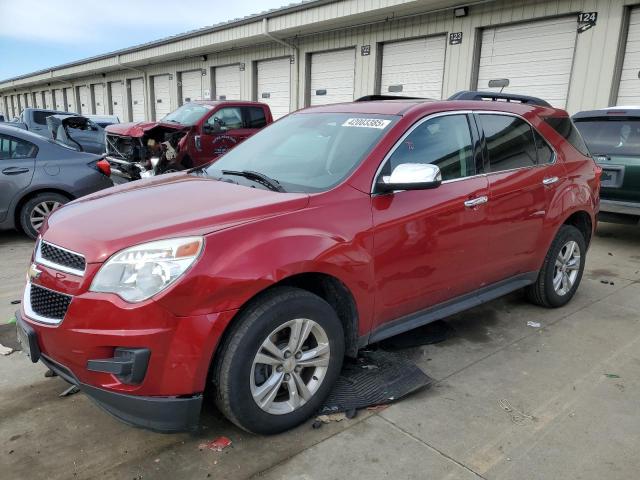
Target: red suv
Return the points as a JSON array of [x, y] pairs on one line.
[[335, 227]]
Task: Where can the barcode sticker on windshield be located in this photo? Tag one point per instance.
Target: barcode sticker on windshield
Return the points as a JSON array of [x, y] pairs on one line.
[[367, 123]]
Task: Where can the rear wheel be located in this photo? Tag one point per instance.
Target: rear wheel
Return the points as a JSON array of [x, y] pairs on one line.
[[37, 209], [562, 270], [279, 361]]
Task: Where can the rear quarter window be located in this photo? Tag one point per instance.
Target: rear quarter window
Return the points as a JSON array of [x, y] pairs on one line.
[[40, 117], [564, 126]]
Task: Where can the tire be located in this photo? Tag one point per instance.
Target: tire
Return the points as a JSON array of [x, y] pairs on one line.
[[241, 381], [34, 212], [544, 291]]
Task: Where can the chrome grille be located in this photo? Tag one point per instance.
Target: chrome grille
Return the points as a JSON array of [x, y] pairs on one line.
[[60, 258], [47, 303]]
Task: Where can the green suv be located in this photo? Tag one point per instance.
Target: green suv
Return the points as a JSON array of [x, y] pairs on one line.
[[613, 137]]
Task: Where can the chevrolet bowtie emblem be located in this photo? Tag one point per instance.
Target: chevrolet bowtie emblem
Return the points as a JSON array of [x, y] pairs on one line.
[[33, 272]]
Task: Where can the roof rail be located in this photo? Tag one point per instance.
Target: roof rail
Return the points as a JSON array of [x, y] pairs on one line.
[[495, 96], [373, 98]]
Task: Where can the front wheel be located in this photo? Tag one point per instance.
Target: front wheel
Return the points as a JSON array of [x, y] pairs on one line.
[[279, 361], [562, 270]]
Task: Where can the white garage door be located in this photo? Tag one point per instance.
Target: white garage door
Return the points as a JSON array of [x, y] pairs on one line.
[[414, 67], [117, 102], [274, 85], [137, 99], [629, 89], [98, 99], [68, 95], [191, 87], [332, 76], [85, 100], [161, 96], [227, 80], [58, 99], [48, 99], [536, 57]]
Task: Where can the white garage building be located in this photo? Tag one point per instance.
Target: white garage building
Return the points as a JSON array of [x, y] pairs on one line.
[[577, 54]]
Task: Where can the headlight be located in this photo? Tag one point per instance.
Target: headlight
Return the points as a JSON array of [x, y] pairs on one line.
[[140, 272]]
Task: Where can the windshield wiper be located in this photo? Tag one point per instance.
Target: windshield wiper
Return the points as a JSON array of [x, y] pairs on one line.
[[258, 177]]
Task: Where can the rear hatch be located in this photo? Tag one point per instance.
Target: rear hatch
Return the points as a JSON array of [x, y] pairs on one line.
[[614, 141]]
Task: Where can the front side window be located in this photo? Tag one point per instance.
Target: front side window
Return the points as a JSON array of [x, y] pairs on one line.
[[306, 152], [443, 141], [14, 148], [228, 118], [611, 135], [510, 142]]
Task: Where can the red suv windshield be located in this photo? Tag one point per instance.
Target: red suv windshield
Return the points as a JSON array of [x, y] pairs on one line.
[[308, 152]]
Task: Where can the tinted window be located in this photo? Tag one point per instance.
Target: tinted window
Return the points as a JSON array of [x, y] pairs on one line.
[[255, 117], [564, 126], [545, 153], [227, 118], [442, 141], [40, 117], [307, 152], [11, 147], [509, 142], [611, 136]]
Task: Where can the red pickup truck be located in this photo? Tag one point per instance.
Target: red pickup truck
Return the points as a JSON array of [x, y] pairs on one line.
[[194, 134]]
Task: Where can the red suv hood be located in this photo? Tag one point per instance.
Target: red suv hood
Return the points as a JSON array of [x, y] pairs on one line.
[[138, 129], [167, 206]]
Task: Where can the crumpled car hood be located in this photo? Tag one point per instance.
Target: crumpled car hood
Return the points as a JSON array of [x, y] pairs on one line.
[[138, 129], [172, 205]]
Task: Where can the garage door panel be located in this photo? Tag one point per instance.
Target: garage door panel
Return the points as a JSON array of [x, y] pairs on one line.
[[117, 102], [334, 73], [274, 85], [536, 57], [629, 86], [227, 82], [59, 99], [85, 101], [191, 86], [416, 65], [161, 96], [98, 99], [137, 99]]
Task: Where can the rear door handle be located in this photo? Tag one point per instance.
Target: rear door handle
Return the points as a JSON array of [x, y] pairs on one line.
[[15, 170], [474, 202], [550, 180]]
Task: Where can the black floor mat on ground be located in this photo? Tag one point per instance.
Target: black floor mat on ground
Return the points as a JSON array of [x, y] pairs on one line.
[[374, 378]]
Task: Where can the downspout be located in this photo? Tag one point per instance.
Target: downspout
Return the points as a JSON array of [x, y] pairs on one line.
[[296, 58], [146, 89]]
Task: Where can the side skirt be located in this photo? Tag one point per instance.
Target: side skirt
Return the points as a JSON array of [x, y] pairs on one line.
[[448, 308]]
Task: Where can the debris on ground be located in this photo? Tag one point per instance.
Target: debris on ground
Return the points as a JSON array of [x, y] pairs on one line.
[[611, 375], [517, 416], [16, 302], [607, 282], [333, 417], [8, 338], [73, 389], [11, 321], [216, 445], [5, 350], [533, 324], [434, 332], [50, 374], [376, 377]]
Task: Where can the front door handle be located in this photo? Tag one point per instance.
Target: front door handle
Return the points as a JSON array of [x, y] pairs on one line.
[[474, 202], [550, 180], [15, 170]]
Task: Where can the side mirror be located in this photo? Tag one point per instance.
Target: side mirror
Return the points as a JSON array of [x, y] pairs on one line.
[[411, 176]]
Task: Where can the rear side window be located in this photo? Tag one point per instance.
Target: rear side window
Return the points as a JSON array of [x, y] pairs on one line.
[[565, 127], [14, 148], [40, 117], [443, 141], [510, 142], [254, 117]]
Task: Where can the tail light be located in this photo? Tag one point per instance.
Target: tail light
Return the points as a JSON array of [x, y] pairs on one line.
[[104, 167]]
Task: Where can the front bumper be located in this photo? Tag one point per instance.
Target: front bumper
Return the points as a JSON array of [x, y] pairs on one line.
[[623, 208], [162, 414]]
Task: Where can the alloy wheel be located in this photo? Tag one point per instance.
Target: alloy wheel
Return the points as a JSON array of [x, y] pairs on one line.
[[566, 268], [290, 366], [41, 211]]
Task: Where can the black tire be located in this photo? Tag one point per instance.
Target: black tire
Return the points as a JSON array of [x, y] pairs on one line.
[[542, 292], [233, 365], [31, 204]]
